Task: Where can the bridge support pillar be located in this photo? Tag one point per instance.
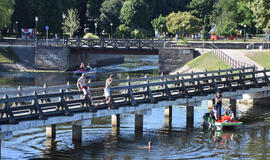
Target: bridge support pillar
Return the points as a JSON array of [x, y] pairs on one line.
[[168, 116], [77, 131], [190, 117], [115, 120], [233, 104], [51, 131], [138, 125]]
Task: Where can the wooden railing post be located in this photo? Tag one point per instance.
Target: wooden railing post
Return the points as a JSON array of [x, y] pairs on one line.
[[38, 108], [64, 104], [67, 90], [8, 112]]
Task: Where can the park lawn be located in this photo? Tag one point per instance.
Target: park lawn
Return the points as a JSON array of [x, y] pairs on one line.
[[208, 61], [7, 55], [262, 58]]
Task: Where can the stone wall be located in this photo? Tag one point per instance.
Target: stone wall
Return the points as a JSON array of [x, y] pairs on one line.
[[174, 58], [52, 58], [229, 45]]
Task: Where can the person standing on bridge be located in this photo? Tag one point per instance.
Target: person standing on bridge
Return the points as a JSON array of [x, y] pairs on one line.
[[81, 85], [219, 104], [107, 91]]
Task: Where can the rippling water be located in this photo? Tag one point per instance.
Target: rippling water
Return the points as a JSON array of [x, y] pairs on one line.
[[176, 142]]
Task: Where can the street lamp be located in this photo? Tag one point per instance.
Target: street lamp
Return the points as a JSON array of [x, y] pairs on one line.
[[36, 20], [95, 28], [64, 17], [245, 33], [111, 29], [161, 26], [16, 22], [183, 26]]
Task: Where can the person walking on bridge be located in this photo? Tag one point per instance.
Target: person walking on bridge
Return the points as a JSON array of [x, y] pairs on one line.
[[107, 91], [81, 85], [218, 104]]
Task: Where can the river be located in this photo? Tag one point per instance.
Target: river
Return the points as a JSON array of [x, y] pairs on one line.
[[252, 141]]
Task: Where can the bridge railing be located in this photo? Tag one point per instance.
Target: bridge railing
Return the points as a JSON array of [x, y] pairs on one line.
[[227, 59], [47, 89]]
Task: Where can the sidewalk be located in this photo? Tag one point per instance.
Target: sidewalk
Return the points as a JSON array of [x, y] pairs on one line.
[[240, 56]]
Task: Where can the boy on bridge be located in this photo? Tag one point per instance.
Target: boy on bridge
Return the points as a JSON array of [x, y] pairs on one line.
[[81, 85]]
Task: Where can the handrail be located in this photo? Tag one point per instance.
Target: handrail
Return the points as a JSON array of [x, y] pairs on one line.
[[46, 88], [227, 59]]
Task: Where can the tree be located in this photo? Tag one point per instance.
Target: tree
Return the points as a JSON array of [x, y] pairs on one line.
[[123, 31], [201, 8], [159, 24], [182, 22], [261, 11], [245, 15], [135, 14], [71, 24], [225, 24], [6, 10], [110, 12]]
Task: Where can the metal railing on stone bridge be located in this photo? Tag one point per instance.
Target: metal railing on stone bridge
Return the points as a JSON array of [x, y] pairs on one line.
[[130, 92], [107, 43], [227, 59]]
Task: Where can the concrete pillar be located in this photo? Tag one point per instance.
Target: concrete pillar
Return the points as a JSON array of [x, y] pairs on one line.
[[51, 131], [115, 120], [50, 144], [211, 103], [233, 103], [138, 125], [77, 131], [190, 116], [168, 116]]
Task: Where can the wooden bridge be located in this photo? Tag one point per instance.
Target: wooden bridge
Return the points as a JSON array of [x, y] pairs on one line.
[[68, 101]]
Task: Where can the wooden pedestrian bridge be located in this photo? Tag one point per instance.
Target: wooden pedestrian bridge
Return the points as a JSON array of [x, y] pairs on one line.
[[49, 105]]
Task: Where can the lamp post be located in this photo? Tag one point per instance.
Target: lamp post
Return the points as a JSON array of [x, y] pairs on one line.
[[111, 30], [36, 20], [245, 33], [16, 29], [64, 17], [161, 26], [95, 28], [183, 26]]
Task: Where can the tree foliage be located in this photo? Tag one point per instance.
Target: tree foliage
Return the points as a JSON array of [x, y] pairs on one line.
[[110, 12], [225, 24], [159, 24], [71, 24], [201, 8], [182, 21], [6, 10], [123, 31], [261, 11], [134, 14]]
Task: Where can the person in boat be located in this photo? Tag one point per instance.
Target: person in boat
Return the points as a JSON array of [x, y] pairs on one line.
[[218, 104], [229, 112], [213, 113], [81, 85], [82, 66], [88, 67], [107, 90]]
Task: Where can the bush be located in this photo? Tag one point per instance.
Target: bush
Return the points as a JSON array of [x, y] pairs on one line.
[[90, 36], [123, 31]]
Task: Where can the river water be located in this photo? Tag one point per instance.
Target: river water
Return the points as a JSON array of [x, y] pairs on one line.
[[252, 141]]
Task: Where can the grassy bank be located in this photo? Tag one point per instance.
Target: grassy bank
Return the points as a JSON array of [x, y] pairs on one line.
[[262, 58], [7, 55], [207, 61]]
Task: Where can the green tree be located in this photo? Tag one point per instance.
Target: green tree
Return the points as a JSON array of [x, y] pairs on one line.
[[123, 31], [135, 14], [225, 24], [159, 24], [110, 12], [71, 24], [261, 11], [182, 22], [6, 9], [245, 15]]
